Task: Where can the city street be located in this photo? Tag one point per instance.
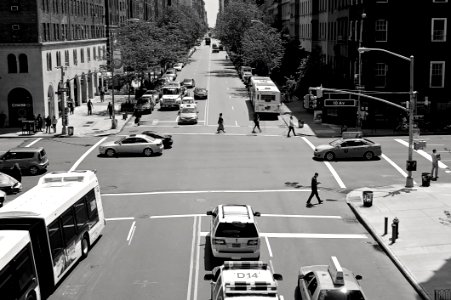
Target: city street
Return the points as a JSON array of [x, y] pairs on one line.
[[155, 245]]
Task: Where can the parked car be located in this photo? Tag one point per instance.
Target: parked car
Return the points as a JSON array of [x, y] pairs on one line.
[[9, 185], [30, 159], [171, 73], [200, 93], [132, 144], [178, 66], [189, 82], [188, 115], [166, 138], [348, 148]]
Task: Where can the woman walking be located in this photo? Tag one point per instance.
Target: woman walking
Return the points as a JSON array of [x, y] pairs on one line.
[[220, 124]]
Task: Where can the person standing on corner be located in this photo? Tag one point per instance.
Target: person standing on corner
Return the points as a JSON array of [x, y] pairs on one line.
[[48, 123], [256, 123], [220, 124], [54, 122], [39, 123], [291, 127], [89, 104], [435, 158], [110, 109], [314, 186]]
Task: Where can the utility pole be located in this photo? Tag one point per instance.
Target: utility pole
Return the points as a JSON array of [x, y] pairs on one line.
[[359, 105], [112, 64], [61, 92]]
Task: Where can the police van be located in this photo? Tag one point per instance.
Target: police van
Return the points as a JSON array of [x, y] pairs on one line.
[[244, 280], [329, 282]]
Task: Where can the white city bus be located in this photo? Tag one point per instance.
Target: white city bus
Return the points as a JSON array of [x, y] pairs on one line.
[[265, 96], [64, 216], [18, 277]]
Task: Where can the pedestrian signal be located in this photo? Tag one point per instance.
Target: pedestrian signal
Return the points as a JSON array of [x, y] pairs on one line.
[[411, 165]]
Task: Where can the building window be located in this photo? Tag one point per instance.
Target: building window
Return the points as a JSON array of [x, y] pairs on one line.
[[49, 61], [82, 55], [380, 75], [58, 58], [74, 54], [437, 77], [438, 30], [12, 63], [88, 53], [381, 31], [66, 57], [94, 55], [23, 63]]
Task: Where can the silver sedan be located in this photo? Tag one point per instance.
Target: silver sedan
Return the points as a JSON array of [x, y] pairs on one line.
[[132, 144], [348, 148]]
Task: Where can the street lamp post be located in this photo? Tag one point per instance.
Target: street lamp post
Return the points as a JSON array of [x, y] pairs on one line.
[[112, 62], [409, 179], [359, 107]]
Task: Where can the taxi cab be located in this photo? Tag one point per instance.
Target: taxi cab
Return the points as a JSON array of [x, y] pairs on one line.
[[329, 282], [244, 280], [188, 114], [187, 100]]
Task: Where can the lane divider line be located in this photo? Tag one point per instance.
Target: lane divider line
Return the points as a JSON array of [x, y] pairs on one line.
[[204, 215], [191, 262], [206, 192], [328, 165], [131, 233], [196, 274], [301, 216], [119, 219], [308, 235], [78, 162]]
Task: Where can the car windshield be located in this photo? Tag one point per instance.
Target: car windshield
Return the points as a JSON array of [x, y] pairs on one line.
[[236, 230], [188, 110], [171, 91], [187, 101], [187, 80], [336, 142], [342, 294], [200, 90]]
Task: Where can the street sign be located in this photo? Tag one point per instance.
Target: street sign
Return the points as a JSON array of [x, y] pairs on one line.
[[339, 102]]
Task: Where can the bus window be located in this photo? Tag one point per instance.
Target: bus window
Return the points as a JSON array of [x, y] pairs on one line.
[[68, 226], [56, 240], [92, 205], [81, 214]]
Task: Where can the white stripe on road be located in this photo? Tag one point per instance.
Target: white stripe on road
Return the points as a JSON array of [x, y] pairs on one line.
[[191, 263], [394, 165], [78, 162], [307, 235], [119, 219], [33, 142], [203, 192], [328, 165], [177, 216], [422, 153], [269, 246], [131, 232], [301, 216], [196, 274], [236, 123]]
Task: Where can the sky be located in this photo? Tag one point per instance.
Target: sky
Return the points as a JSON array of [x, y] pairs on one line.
[[212, 8]]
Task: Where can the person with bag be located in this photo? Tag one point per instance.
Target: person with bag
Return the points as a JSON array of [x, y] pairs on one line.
[[291, 127]]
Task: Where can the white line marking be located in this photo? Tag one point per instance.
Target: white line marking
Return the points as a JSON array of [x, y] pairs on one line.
[[155, 122], [328, 165], [177, 216], [191, 262], [232, 108], [119, 219], [308, 235], [272, 269], [74, 167], [269, 246], [401, 171], [131, 232], [301, 216], [205, 192], [236, 123], [196, 274], [33, 142]]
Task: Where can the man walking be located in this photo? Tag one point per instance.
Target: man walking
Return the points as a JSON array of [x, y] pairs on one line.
[[220, 124], [110, 109], [314, 186], [291, 127], [256, 123], [89, 107], [435, 158]]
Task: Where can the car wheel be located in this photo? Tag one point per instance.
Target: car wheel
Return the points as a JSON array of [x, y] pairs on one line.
[[368, 155], [329, 156], [84, 247], [33, 170], [110, 152], [147, 152]]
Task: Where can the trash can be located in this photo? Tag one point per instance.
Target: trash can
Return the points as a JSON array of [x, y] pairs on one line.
[[367, 198], [425, 179], [70, 130]]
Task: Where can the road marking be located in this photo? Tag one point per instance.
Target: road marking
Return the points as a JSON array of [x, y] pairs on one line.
[[236, 123], [301, 216], [177, 216], [232, 108], [155, 122], [269, 246], [328, 165], [191, 263], [33, 142], [307, 235], [196, 275], [401, 171], [131, 232], [78, 162], [422, 153], [205, 192], [119, 219]]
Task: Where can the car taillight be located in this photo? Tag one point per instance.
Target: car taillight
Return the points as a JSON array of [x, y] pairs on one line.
[[252, 243], [218, 242]]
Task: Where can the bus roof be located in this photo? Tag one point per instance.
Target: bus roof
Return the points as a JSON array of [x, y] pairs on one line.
[[262, 81], [53, 194], [267, 88], [11, 243]]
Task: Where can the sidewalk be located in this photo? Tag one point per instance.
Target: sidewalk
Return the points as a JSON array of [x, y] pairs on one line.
[[423, 250], [97, 124]]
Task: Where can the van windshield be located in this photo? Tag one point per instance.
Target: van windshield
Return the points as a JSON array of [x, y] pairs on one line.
[[171, 91]]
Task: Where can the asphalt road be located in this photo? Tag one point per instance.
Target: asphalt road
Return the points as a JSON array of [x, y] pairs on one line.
[[154, 244]]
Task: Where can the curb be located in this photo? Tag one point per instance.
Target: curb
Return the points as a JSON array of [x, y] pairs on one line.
[[418, 288]]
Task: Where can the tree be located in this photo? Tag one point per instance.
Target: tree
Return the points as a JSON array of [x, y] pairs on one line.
[[262, 48], [309, 72]]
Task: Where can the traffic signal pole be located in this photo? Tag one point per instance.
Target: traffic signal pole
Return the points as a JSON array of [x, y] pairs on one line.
[[61, 92]]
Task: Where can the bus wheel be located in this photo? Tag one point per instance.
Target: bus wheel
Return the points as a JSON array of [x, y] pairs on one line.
[[84, 247]]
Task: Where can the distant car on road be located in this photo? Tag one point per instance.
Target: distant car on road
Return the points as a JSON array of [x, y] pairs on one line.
[[166, 138], [178, 66], [145, 104], [30, 159], [200, 93], [188, 115], [348, 148], [9, 185], [189, 83], [188, 101], [171, 73], [132, 144]]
